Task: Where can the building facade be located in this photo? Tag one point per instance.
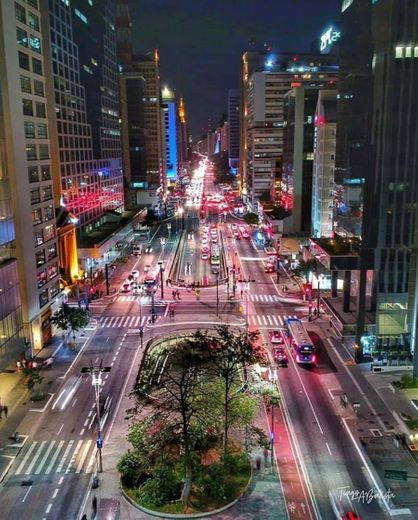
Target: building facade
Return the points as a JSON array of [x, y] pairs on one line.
[[324, 165], [170, 120], [233, 129], [31, 289]]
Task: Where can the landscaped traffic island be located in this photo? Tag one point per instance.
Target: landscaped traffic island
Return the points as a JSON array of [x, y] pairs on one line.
[[193, 423]]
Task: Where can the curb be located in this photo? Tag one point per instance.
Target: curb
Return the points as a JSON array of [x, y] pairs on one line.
[[191, 515]]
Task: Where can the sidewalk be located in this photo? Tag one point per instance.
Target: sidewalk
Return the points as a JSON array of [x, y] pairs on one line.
[[263, 499]]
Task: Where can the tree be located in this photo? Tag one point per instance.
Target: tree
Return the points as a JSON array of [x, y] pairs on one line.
[[172, 395], [33, 381], [70, 318], [304, 268], [230, 353], [251, 218]]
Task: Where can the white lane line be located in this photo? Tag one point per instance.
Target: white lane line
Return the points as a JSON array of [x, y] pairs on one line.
[[87, 421], [48, 509], [75, 453], [330, 393], [25, 458], [61, 464], [26, 494], [75, 400], [42, 463], [83, 456], [54, 458], [59, 431], [329, 449], [60, 481], [91, 462], [82, 432], [55, 493], [35, 458]]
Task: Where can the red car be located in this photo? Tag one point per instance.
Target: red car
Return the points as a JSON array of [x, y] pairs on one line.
[[280, 356], [276, 337], [269, 268]]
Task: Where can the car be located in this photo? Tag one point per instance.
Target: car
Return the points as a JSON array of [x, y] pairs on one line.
[[147, 267], [214, 240], [280, 356], [126, 287], [135, 274], [269, 268], [237, 236], [148, 249], [245, 235], [276, 337], [234, 227], [137, 290], [204, 256], [205, 249]]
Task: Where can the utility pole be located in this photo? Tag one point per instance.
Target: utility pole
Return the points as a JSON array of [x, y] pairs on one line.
[[96, 381], [160, 263]]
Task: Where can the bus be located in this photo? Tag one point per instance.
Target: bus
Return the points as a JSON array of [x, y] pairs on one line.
[[214, 254], [142, 233], [300, 342]]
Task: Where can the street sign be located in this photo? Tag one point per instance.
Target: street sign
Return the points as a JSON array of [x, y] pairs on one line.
[[394, 474]]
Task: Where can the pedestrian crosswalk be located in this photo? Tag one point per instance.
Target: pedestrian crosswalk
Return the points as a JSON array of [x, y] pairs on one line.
[[264, 298], [108, 322], [96, 309], [54, 456], [144, 300], [268, 320]]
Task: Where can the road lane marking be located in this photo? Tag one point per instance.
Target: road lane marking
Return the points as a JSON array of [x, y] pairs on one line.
[[67, 450], [75, 453], [59, 431], [329, 449], [330, 393], [82, 432], [75, 400], [48, 509], [35, 458], [55, 493], [54, 458], [42, 463], [26, 494], [83, 456], [25, 458]]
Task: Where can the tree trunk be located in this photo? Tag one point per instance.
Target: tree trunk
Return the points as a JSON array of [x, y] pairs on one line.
[[226, 422], [187, 480]]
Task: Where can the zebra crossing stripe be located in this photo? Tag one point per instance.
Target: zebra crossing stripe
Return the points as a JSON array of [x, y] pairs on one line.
[[61, 464], [41, 465], [75, 453], [35, 458], [54, 458], [269, 319], [83, 456], [25, 458]]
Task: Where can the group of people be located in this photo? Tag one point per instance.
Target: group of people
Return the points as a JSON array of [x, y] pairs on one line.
[[4, 409]]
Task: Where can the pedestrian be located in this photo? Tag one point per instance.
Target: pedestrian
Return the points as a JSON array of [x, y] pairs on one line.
[[5, 410], [94, 504], [178, 294], [258, 462], [266, 456], [174, 294], [19, 366], [24, 363]]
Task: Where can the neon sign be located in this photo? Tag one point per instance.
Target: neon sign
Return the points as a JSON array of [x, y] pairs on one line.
[[329, 37]]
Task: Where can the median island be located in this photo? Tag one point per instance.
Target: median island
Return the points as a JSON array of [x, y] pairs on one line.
[[193, 423]]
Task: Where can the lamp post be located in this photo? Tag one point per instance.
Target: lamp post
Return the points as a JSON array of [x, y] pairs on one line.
[[153, 304], [161, 264], [217, 295], [96, 381]]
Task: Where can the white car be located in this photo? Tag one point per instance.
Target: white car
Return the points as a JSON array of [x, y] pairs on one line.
[[135, 275], [147, 267]]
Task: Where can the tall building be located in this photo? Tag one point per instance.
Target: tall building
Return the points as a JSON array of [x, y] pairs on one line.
[[233, 129], [324, 165], [183, 142], [264, 118], [170, 120], [391, 199], [29, 269], [298, 152], [84, 89]]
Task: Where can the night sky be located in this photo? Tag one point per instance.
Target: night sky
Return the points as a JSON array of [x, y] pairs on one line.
[[201, 42]]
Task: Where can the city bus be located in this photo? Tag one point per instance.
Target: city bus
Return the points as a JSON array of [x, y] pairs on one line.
[[214, 254], [301, 344]]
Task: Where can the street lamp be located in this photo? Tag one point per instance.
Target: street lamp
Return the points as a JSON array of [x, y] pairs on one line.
[[96, 381], [161, 264]]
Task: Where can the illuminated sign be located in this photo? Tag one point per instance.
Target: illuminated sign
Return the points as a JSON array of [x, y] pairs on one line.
[[329, 37]]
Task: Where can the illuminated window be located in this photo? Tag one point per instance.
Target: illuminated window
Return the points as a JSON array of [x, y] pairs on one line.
[[408, 52], [21, 37], [49, 232], [35, 43], [80, 15], [399, 51], [415, 52]]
